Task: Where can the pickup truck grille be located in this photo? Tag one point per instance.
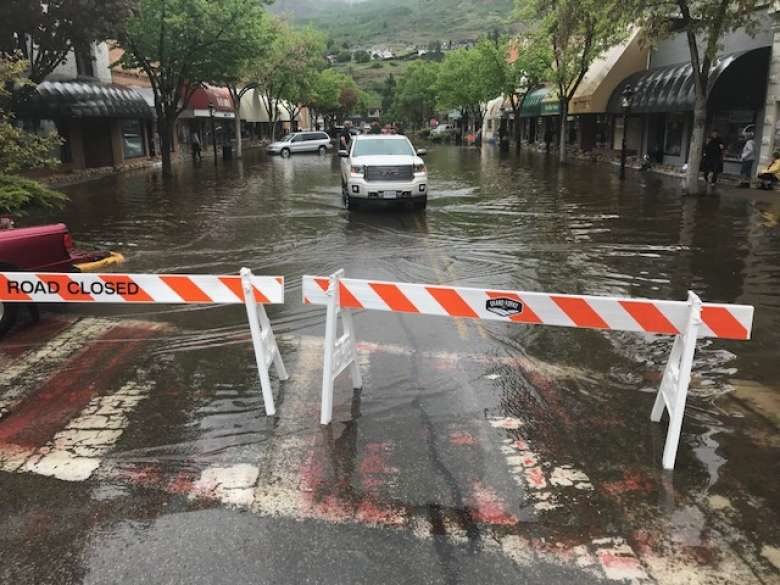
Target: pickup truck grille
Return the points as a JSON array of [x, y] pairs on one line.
[[390, 174]]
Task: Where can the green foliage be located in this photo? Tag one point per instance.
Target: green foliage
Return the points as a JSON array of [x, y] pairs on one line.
[[469, 78], [17, 194], [181, 44], [344, 57], [400, 22], [377, 65], [579, 31], [529, 67], [286, 74], [415, 96], [362, 57], [58, 26], [20, 150]]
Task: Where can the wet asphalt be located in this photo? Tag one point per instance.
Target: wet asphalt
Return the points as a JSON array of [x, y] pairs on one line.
[[475, 453]]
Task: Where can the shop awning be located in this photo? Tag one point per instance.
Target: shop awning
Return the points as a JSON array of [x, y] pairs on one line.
[[667, 89], [532, 104], [84, 99], [218, 97]]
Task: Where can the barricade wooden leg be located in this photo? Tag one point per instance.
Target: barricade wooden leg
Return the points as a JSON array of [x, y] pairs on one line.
[[263, 341], [677, 379], [331, 330], [350, 339]]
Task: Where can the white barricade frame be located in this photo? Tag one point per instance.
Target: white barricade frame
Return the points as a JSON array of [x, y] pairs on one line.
[[687, 321], [252, 291]]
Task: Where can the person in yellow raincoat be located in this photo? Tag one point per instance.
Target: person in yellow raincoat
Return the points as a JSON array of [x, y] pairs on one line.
[[771, 176]]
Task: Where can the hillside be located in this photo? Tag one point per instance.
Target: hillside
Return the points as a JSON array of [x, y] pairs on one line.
[[399, 23]]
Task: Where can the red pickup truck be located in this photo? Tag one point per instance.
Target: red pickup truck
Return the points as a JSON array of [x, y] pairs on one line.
[[47, 248]]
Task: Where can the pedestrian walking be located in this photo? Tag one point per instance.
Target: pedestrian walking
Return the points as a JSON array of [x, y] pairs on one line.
[[196, 147], [375, 129], [345, 141], [712, 161], [748, 158]]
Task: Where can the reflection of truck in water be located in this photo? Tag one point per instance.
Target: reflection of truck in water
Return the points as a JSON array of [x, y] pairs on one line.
[[47, 248]]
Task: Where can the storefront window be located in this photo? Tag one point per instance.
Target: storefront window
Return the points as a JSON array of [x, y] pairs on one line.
[[673, 141], [732, 126], [133, 138]]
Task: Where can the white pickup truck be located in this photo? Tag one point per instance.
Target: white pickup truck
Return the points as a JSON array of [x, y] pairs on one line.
[[383, 170]]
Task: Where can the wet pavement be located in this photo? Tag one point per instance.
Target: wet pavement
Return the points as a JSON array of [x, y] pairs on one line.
[[134, 446]]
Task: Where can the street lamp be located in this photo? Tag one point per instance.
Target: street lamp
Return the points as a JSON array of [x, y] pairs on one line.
[[213, 132], [626, 101]]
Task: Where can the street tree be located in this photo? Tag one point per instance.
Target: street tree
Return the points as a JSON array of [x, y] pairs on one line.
[[44, 33], [324, 96], [468, 79], [182, 44], [527, 67], [294, 58], [239, 73], [20, 150], [579, 31], [388, 91], [415, 96], [704, 23]]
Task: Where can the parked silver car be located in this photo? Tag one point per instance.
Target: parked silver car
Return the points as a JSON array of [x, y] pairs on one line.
[[301, 142]]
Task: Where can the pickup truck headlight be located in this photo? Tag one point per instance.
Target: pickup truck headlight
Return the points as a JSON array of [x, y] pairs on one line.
[[358, 170], [420, 168]]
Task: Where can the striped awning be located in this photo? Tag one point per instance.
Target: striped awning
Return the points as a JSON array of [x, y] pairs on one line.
[[532, 104], [668, 89], [84, 99]]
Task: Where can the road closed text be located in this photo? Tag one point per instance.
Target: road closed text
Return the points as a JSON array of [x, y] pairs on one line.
[[94, 287]]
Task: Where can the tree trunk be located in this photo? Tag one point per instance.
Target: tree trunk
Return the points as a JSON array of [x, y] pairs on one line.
[[564, 115], [697, 145], [239, 148], [518, 134], [165, 146]]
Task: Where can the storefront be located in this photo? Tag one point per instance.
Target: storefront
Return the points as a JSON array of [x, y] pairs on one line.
[[664, 98], [101, 124], [531, 116], [209, 107], [595, 129], [255, 119]]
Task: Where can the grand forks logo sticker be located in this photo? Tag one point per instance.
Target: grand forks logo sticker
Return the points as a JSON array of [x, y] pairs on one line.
[[504, 307]]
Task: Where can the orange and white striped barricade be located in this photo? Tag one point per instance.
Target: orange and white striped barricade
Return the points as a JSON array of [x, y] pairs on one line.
[[248, 289], [686, 321]]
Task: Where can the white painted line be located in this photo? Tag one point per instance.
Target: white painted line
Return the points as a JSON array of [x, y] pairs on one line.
[[76, 452]]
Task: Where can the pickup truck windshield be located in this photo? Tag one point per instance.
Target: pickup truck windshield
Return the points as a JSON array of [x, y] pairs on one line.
[[383, 148]]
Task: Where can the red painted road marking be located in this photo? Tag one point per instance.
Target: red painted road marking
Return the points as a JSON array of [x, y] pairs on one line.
[[487, 507], [35, 335], [39, 416]]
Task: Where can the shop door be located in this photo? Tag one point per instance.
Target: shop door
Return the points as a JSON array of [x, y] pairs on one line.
[[96, 134]]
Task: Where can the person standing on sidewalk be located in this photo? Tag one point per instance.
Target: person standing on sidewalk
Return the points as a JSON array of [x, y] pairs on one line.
[[712, 162], [196, 156], [747, 158]]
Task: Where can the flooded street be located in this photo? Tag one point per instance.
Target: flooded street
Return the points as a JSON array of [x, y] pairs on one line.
[[134, 446]]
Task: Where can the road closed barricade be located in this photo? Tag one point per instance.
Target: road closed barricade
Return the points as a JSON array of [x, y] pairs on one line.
[[687, 321], [253, 291]]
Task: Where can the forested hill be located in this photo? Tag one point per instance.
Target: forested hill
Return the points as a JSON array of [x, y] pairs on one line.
[[399, 23]]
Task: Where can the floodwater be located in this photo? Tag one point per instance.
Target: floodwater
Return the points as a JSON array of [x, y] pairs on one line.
[[476, 452]]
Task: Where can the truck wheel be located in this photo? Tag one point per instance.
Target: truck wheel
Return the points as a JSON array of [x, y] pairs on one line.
[[285, 153], [350, 203], [8, 314], [322, 150], [420, 205]]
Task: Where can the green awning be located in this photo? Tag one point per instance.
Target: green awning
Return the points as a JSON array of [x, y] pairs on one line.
[[532, 104]]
